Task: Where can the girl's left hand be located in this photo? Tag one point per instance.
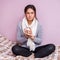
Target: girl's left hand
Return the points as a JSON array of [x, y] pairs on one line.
[[31, 36]]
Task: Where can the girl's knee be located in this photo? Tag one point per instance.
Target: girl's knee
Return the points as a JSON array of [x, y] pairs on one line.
[[15, 49], [51, 47]]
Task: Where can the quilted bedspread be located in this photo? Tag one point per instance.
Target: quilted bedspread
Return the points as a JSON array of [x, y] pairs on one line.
[[6, 53]]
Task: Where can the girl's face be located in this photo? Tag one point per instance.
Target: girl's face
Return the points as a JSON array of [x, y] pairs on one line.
[[30, 14]]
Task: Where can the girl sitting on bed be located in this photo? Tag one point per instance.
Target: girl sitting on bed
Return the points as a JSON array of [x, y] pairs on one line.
[[29, 36]]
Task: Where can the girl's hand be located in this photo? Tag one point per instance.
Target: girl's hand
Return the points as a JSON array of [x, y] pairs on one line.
[[32, 37], [29, 31], [26, 33], [30, 34]]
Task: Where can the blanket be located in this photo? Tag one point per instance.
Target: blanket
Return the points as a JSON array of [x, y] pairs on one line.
[[6, 53]]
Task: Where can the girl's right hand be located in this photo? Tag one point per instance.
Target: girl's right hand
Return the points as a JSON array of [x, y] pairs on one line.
[[26, 33]]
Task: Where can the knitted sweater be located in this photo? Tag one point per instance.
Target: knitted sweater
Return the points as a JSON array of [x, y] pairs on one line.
[[23, 40]]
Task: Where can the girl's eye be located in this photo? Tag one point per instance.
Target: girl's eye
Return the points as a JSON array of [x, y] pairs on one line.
[[27, 13], [31, 12]]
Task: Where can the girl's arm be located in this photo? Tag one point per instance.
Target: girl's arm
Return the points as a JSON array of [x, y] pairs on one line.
[[20, 39]]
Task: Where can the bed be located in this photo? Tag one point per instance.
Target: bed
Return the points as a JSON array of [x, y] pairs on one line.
[[6, 53]]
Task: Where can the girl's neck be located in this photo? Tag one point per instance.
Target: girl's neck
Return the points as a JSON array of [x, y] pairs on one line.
[[29, 22]]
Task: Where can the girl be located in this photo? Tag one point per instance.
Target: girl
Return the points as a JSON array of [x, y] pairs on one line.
[[29, 36]]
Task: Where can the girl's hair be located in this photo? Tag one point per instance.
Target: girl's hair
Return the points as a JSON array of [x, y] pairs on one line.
[[30, 6]]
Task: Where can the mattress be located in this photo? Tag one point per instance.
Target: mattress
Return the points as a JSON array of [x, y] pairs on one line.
[[6, 53]]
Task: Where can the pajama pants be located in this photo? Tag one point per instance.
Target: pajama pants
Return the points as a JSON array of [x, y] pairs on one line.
[[40, 52]]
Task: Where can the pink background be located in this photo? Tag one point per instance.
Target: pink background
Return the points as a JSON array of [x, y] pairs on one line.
[[48, 13]]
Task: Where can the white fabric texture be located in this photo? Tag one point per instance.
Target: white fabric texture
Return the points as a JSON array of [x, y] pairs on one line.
[[33, 27]]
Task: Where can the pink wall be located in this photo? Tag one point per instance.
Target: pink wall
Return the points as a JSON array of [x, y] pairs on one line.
[[48, 12]]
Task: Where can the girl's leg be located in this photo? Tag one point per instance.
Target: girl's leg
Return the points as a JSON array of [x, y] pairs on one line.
[[44, 51], [18, 50]]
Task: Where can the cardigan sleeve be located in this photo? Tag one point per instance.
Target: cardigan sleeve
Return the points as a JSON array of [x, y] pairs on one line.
[[21, 39], [38, 38]]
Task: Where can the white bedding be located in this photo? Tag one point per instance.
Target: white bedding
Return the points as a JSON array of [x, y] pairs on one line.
[[6, 53]]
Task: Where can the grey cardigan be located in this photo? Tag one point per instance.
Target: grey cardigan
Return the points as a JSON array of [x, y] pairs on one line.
[[23, 40]]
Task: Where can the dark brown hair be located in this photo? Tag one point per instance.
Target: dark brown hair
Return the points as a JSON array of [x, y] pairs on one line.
[[30, 6]]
